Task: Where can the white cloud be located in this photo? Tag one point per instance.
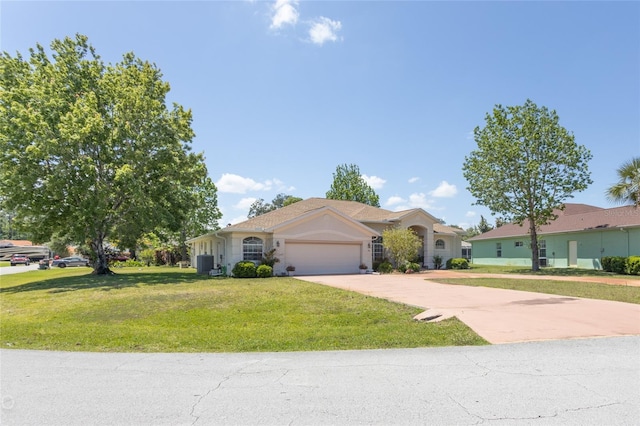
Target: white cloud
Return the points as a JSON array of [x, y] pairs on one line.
[[470, 214], [237, 219], [244, 204], [419, 200], [284, 13], [444, 190], [414, 179], [323, 30], [395, 200], [239, 185], [374, 181]]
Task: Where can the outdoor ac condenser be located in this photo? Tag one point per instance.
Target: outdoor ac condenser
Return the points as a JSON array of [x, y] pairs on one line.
[[204, 263]]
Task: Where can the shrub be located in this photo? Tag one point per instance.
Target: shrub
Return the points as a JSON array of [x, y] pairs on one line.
[[130, 263], [264, 271], [606, 263], [457, 263], [633, 265], [244, 269], [385, 268], [437, 262], [269, 258], [618, 264], [413, 266]]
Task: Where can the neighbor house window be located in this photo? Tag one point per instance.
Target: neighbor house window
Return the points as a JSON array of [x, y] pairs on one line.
[[498, 249], [440, 244], [252, 249], [542, 252], [519, 244]]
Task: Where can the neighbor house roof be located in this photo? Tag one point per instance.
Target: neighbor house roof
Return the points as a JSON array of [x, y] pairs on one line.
[[574, 218], [357, 211]]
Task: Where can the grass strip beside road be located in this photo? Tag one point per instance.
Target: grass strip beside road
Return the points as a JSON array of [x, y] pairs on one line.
[[618, 293], [173, 310]]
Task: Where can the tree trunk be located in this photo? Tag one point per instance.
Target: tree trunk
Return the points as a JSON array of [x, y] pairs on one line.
[[183, 245], [535, 253], [101, 265]]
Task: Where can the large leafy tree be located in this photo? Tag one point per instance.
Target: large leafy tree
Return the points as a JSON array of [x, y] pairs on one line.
[[526, 165], [91, 149], [627, 189], [349, 185], [259, 207]]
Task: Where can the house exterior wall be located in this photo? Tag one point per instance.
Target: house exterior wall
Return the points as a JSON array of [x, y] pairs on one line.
[[591, 247]]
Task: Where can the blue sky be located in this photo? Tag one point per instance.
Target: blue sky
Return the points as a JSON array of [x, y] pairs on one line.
[[284, 92]]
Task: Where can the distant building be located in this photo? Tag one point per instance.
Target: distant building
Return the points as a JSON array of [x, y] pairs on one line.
[[579, 237]]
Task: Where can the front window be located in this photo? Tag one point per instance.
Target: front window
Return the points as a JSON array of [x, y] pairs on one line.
[[252, 249], [377, 249], [498, 249], [440, 244]]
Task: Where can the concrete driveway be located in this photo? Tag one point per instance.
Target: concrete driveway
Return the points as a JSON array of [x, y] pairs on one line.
[[499, 316]]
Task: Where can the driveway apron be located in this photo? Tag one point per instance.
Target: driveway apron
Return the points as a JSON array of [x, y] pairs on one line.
[[499, 316]]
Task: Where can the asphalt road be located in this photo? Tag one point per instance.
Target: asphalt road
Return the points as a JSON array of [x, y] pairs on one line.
[[568, 382], [8, 270]]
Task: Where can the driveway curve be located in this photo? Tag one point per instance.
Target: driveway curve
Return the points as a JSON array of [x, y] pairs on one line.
[[499, 316]]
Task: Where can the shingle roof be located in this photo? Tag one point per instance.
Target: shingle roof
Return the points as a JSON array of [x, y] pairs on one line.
[[574, 218], [444, 229], [357, 211]]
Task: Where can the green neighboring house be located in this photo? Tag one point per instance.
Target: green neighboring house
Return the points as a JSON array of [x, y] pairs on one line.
[[579, 237]]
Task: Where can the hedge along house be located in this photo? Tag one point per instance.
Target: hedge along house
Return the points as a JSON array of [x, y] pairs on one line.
[[320, 236], [579, 237]]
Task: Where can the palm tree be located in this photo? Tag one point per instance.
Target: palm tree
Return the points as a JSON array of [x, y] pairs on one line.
[[627, 190]]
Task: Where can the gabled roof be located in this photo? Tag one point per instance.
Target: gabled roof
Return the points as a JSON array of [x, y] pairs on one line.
[[357, 211], [438, 228], [574, 218]]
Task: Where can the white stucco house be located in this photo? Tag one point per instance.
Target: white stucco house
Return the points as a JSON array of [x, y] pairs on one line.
[[320, 236]]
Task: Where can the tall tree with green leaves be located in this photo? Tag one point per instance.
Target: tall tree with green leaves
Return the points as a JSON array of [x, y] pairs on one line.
[[484, 226], [91, 149], [259, 207], [401, 243], [526, 165], [627, 189], [349, 185]]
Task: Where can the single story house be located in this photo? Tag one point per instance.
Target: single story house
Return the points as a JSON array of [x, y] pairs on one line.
[[320, 236], [579, 237]]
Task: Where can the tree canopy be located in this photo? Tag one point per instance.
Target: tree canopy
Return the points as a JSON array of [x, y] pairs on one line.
[[402, 244], [526, 165], [91, 149], [349, 185], [627, 189], [259, 207]]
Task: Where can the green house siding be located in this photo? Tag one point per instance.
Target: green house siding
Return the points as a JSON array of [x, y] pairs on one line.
[[590, 247]]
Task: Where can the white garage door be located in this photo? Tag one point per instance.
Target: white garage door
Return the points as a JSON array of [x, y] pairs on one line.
[[318, 259]]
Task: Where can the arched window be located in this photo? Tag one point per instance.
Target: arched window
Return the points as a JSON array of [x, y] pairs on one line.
[[252, 249], [439, 244]]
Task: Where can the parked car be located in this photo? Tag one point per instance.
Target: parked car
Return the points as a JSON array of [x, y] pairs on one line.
[[70, 261], [19, 258]]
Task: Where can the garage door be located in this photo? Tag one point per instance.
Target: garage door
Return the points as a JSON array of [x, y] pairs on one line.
[[318, 259]]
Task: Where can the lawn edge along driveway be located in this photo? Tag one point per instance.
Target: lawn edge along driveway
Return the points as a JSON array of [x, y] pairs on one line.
[[498, 315]]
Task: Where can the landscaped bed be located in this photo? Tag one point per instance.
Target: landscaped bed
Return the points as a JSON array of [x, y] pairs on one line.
[[173, 310]]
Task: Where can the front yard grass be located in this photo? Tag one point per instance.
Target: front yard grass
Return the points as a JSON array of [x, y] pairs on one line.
[[558, 272], [173, 310], [618, 293]]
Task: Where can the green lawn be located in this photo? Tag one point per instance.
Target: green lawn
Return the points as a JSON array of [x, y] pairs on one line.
[[173, 310], [558, 272], [616, 293]]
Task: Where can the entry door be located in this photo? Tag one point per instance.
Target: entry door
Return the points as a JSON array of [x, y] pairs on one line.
[[573, 253]]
